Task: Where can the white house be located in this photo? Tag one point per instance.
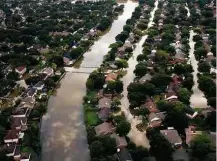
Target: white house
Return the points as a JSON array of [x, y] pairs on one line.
[[20, 70]]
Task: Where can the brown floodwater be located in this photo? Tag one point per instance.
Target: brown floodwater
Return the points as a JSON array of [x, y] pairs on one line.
[[197, 100], [135, 135], [63, 131]]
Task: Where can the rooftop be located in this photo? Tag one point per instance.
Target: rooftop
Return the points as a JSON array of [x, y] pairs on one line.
[[104, 128], [172, 136], [104, 102]]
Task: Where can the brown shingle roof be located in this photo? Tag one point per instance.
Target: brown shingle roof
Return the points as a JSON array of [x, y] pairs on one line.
[[12, 134], [104, 102], [104, 113], [17, 122], [150, 105], [111, 77], [104, 128], [172, 136], [120, 141]]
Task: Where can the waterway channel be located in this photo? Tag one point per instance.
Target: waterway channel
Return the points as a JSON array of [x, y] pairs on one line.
[[63, 131], [136, 136]]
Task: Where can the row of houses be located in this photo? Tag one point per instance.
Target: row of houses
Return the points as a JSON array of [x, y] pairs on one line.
[[108, 127], [156, 117], [19, 119]]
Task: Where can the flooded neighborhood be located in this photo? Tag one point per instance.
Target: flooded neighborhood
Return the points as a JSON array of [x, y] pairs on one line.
[[107, 80]]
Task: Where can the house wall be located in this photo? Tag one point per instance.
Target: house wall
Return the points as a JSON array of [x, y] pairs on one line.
[[11, 140]]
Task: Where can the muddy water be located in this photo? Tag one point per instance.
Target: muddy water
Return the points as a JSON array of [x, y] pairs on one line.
[[136, 136], [63, 131], [197, 99]]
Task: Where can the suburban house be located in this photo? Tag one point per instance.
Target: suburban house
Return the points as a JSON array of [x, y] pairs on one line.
[[155, 119], [127, 45], [121, 52], [111, 77], [145, 78], [67, 59], [171, 96], [124, 155], [152, 55], [17, 153], [131, 38], [173, 87], [209, 57], [104, 113], [13, 136], [39, 86], [172, 136], [20, 112], [150, 105], [177, 79], [104, 103], [19, 123], [157, 38], [22, 157], [150, 65], [31, 92], [120, 141], [48, 71], [190, 133], [180, 56], [10, 149], [27, 102], [20, 70], [104, 129], [92, 33]]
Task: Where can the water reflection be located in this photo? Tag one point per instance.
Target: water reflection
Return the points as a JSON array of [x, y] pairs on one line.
[[63, 130]]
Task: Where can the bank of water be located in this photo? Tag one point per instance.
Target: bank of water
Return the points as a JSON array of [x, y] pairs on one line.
[[63, 131], [136, 136], [197, 100]]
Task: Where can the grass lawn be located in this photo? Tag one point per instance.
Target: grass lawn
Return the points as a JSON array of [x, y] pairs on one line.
[[91, 95], [92, 118]]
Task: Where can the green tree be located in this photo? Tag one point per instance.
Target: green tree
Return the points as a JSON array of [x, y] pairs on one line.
[[139, 153], [160, 80], [13, 76], [121, 63], [161, 55], [184, 95], [141, 57], [200, 52], [211, 121], [96, 80], [160, 148], [141, 69], [127, 28], [122, 36], [204, 67], [96, 148], [123, 128], [212, 101], [109, 144], [201, 146]]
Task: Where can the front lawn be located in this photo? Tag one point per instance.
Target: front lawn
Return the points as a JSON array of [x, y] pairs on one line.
[[91, 118]]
